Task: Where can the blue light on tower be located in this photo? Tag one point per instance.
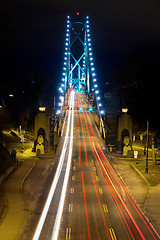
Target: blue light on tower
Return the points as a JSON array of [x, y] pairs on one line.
[[92, 68]]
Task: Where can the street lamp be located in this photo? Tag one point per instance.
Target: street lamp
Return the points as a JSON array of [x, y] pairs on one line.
[[124, 110], [42, 109]]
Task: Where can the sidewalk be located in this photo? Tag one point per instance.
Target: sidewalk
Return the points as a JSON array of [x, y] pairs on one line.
[[143, 187], [17, 211]]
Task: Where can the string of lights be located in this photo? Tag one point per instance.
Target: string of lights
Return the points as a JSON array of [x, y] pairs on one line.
[[86, 73]]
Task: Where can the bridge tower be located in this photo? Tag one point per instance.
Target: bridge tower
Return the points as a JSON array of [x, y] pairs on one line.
[[78, 68], [78, 65]]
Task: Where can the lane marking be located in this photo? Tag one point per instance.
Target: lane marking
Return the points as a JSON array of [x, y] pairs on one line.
[[97, 178], [72, 190], [105, 208], [100, 191], [73, 178], [112, 233], [68, 233], [70, 207], [74, 168]]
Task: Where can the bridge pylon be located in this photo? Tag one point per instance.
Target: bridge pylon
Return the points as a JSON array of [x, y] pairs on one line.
[[78, 68], [78, 65]]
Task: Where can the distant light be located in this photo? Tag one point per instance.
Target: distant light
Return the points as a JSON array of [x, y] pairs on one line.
[[80, 108], [97, 92], [124, 110], [42, 109], [98, 98], [10, 95], [101, 112], [77, 13], [100, 104], [90, 109], [58, 111]]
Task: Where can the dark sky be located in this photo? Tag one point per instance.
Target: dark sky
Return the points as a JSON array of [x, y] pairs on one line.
[[32, 34]]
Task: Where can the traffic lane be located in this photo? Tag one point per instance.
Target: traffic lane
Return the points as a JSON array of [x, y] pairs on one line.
[[137, 226], [47, 229], [56, 187], [83, 181], [89, 217], [95, 143], [84, 215], [133, 225]]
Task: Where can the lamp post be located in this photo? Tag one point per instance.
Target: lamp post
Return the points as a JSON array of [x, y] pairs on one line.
[[147, 148]]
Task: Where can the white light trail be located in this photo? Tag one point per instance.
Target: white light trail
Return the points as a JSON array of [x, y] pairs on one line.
[[65, 182], [55, 181]]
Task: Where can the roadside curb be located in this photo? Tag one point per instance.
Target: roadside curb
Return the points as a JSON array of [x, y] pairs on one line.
[[149, 187], [5, 175]]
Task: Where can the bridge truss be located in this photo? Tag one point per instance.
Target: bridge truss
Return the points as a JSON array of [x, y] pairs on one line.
[[78, 66]]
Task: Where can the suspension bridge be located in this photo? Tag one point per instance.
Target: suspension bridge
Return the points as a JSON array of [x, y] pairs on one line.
[[87, 199]]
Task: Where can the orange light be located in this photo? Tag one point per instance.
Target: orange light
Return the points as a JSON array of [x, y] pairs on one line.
[[77, 13]]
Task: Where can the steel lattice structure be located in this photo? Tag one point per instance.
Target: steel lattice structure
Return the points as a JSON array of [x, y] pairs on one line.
[[78, 65]]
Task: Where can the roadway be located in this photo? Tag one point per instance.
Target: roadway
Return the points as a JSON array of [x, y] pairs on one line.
[[87, 200]]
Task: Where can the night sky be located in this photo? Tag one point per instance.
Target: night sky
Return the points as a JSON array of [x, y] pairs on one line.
[[33, 33]]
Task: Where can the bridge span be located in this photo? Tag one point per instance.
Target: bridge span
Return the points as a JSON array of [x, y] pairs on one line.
[[87, 200]]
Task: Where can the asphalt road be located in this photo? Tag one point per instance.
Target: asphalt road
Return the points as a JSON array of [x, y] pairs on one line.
[[88, 200]]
